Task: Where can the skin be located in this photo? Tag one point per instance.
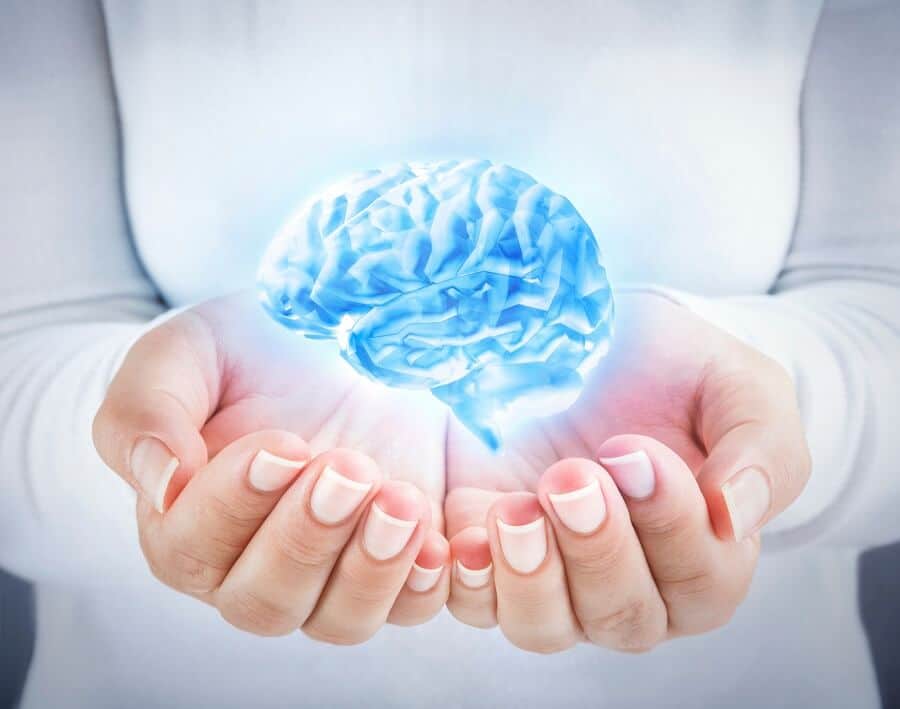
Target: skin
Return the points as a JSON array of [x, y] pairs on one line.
[[700, 404]]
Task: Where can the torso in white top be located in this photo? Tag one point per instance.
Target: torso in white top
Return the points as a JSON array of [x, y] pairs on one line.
[[673, 128]]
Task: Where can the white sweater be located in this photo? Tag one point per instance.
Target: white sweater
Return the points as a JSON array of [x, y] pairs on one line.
[[745, 155]]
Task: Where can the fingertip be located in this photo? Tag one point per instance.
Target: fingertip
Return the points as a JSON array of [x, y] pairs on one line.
[[516, 509], [643, 467], [572, 493], [160, 471], [747, 499], [750, 476], [471, 547], [285, 444], [568, 475], [435, 551], [625, 444], [473, 599], [519, 534], [351, 464], [403, 501], [139, 440], [429, 564], [267, 458]]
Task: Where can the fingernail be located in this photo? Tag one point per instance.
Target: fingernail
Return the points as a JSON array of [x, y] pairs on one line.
[[335, 497], [270, 472], [582, 510], [525, 545], [385, 536], [747, 497], [633, 474], [422, 579], [473, 578], [153, 465]]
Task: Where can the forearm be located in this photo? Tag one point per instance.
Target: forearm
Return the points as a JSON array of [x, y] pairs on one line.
[[63, 515], [73, 294]]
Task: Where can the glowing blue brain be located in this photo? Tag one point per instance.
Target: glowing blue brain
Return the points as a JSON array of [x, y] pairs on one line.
[[466, 278]]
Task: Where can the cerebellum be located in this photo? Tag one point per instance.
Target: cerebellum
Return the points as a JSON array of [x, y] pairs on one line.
[[470, 279]]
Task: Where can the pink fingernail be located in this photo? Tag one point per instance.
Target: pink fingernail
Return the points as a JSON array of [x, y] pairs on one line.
[[422, 579], [270, 472], [153, 465], [524, 545], [385, 536], [473, 578], [633, 474], [582, 510], [335, 497], [747, 497]]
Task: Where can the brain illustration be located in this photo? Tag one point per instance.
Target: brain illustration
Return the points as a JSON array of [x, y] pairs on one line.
[[469, 278]]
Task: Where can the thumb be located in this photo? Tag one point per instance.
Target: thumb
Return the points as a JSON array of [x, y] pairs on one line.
[[148, 427], [758, 460]]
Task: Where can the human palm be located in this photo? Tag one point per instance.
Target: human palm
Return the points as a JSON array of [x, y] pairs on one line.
[[274, 378], [648, 384], [679, 413], [700, 442]]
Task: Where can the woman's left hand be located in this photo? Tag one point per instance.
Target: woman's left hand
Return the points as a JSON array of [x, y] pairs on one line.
[[634, 517]]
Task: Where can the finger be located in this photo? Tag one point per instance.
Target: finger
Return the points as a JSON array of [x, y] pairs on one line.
[[427, 585], [473, 599], [758, 460], [701, 578], [148, 428], [613, 592], [193, 545], [275, 584], [371, 572], [533, 608], [467, 507]]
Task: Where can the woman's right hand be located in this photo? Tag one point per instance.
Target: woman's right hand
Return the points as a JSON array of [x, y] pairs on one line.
[[208, 419]]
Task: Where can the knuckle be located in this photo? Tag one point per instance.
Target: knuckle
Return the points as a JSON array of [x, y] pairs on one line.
[[182, 563], [364, 587], [693, 588], [188, 570], [251, 612], [157, 558], [703, 601], [667, 524], [236, 515], [633, 628], [157, 570], [303, 551], [597, 559]]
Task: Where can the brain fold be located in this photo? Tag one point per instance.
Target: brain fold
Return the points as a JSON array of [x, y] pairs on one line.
[[467, 278]]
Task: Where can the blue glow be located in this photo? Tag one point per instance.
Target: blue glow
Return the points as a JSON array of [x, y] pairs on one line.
[[466, 278]]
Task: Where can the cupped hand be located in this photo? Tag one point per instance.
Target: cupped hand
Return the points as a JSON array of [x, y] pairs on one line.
[[246, 446], [634, 517]]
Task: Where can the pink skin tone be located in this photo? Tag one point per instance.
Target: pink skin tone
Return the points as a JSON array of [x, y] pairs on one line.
[[684, 443]]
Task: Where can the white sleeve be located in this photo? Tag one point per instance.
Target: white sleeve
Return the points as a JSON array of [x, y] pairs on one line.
[[833, 317], [73, 295]]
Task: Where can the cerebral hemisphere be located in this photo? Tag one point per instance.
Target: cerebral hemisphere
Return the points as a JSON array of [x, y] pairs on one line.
[[469, 278]]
